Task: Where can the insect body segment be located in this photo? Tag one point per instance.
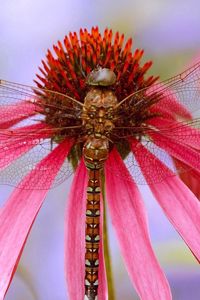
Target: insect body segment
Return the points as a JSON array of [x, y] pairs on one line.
[[92, 237], [95, 153], [98, 112], [97, 118]]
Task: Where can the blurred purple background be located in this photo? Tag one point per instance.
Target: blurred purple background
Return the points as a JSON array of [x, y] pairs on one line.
[[169, 31]]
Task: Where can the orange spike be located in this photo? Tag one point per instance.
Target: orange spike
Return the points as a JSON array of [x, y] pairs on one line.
[[61, 46], [83, 63], [116, 42], [112, 65], [76, 52], [151, 80], [71, 57], [116, 39], [88, 53], [82, 36], [126, 65], [41, 79], [88, 69], [133, 73], [67, 44], [107, 58], [104, 44], [95, 31], [121, 41], [127, 47], [116, 57], [56, 51], [75, 39], [71, 69], [106, 33], [94, 58], [56, 86], [138, 54], [83, 51], [98, 51], [146, 66], [82, 83], [38, 84], [45, 66], [42, 71], [71, 38], [50, 59], [119, 75], [110, 36]]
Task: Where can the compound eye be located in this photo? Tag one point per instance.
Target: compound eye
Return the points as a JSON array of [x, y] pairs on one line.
[[102, 77]]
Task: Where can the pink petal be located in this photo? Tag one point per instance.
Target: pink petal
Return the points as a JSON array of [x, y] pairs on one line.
[[189, 177], [129, 219], [178, 131], [21, 140], [12, 114], [169, 104], [19, 212], [75, 240], [180, 151], [178, 202]]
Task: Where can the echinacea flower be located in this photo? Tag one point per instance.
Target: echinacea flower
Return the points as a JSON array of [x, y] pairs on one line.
[[94, 107]]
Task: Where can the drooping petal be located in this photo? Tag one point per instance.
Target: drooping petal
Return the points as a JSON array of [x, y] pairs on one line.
[[190, 177], [19, 212], [169, 106], [178, 131], [179, 204], [75, 240], [12, 114], [129, 219], [184, 153], [12, 146], [188, 158]]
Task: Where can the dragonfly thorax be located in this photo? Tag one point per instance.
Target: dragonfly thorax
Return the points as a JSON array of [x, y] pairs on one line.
[[98, 120], [98, 112]]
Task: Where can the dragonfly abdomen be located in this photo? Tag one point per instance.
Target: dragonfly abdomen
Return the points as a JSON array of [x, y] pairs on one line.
[[92, 236], [95, 153]]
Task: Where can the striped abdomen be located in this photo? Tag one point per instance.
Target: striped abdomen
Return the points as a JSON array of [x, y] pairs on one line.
[[95, 152], [92, 234]]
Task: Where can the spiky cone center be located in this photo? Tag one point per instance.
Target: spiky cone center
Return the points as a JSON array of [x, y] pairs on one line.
[[67, 71]]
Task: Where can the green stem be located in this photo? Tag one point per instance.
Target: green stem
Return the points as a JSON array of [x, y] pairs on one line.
[[107, 258]]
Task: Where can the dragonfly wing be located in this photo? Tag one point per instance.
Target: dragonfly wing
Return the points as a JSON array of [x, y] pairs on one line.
[[24, 138], [175, 104]]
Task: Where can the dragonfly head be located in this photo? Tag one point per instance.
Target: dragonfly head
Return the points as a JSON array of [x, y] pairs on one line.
[[101, 77]]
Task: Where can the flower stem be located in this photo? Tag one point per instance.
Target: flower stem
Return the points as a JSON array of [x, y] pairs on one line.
[[107, 258]]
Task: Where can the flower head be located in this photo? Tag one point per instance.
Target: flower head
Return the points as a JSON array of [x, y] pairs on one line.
[[80, 54], [95, 102]]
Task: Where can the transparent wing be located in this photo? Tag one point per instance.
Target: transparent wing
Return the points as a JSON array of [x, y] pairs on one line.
[[21, 106], [132, 164], [20, 156], [24, 138], [185, 88], [177, 97]]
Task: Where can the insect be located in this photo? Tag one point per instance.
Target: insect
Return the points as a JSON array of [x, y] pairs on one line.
[[95, 124]]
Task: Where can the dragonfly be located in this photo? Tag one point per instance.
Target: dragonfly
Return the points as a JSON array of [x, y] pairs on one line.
[[96, 124]]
